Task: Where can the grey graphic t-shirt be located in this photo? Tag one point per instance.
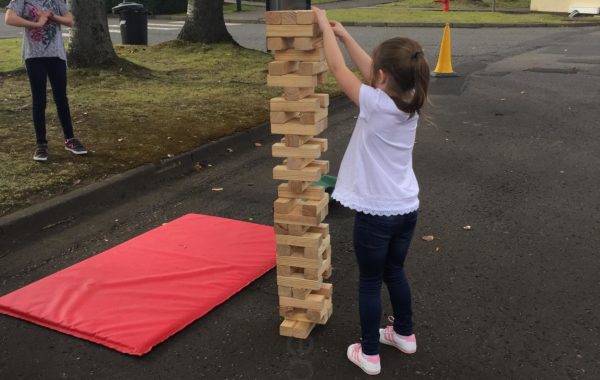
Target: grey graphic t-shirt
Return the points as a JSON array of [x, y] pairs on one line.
[[46, 41]]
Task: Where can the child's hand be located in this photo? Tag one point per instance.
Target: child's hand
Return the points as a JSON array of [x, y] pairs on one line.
[[321, 17], [338, 29], [42, 19]]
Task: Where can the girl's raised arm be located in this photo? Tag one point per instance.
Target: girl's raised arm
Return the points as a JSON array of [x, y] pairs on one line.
[[361, 58], [345, 78]]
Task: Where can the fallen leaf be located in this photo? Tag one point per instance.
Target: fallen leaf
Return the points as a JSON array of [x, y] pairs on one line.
[[77, 182], [230, 150], [120, 140], [257, 144], [428, 238], [437, 249], [217, 189], [197, 167], [467, 228]]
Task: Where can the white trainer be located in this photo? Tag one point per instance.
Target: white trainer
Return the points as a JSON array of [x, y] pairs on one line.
[[371, 364], [406, 344]]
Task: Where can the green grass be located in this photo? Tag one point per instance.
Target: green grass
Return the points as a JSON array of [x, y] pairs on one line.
[[409, 16], [460, 4], [180, 96], [231, 8]]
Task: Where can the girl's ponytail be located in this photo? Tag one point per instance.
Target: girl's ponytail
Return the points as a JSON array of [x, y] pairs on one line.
[[403, 60]]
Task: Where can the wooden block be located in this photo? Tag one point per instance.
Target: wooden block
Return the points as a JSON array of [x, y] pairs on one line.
[[322, 228], [297, 93], [305, 151], [306, 43], [281, 68], [295, 141], [312, 252], [285, 205], [296, 217], [284, 291], [301, 294], [274, 30], [292, 80], [294, 127], [311, 173], [299, 261], [297, 280], [279, 43], [297, 230], [312, 302], [294, 163], [311, 240], [327, 273], [298, 186], [282, 117], [326, 290], [310, 104], [288, 17], [283, 270], [321, 317], [283, 249], [311, 68], [305, 17], [312, 274], [273, 18], [323, 165], [323, 143], [316, 55], [295, 329], [323, 78], [323, 99], [312, 193], [313, 117], [313, 208]]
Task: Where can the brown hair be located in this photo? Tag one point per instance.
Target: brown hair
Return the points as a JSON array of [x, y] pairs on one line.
[[402, 59]]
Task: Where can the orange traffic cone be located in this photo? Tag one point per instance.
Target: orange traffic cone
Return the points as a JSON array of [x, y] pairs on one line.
[[444, 64]]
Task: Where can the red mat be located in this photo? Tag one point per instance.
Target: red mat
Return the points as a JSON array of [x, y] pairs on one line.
[[138, 294]]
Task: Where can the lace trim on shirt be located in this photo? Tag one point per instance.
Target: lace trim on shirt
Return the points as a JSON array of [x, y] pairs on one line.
[[357, 205]]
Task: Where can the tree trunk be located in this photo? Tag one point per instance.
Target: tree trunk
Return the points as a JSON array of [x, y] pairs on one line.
[[205, 22], [90, 45]]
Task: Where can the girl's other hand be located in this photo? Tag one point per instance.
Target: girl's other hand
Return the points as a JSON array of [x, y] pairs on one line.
[[42, 19], [338, 29], [321, 16]]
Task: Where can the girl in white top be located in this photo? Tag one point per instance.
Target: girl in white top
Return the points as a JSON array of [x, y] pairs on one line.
[[376, 178]]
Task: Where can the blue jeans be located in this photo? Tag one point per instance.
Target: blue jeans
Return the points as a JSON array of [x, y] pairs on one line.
[[381, 244], [55, 69]]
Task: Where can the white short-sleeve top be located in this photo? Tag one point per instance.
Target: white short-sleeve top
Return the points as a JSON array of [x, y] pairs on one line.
[[376, 175]]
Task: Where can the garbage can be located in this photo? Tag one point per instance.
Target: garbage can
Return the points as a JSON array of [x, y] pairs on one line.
[[134, 23]]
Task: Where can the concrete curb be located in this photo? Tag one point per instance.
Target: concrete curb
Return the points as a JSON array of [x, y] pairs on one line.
[[28, 223]]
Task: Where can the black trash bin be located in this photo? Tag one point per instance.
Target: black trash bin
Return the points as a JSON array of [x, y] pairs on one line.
[[134, 23]]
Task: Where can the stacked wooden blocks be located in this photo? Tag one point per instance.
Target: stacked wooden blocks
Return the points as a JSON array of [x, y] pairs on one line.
[[303, 241]]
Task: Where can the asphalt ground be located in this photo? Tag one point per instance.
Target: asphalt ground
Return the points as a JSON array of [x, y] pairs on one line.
[[513, 152]]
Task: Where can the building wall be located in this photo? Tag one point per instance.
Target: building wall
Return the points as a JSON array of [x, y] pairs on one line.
[[561, 5]]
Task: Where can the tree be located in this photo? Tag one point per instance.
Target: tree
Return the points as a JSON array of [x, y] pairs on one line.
[[205, 22], [90, 45]]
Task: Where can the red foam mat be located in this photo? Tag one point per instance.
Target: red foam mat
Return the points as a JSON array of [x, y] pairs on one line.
[[139, 293]]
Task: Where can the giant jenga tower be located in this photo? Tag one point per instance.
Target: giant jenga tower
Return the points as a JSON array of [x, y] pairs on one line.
[[303, 242]]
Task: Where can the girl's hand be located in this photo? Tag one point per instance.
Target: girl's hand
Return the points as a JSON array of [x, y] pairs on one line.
[[42, 19], [321, 17], [338, 29]]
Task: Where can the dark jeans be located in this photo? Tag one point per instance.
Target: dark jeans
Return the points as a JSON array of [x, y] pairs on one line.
[[381, 244], [54, 69]]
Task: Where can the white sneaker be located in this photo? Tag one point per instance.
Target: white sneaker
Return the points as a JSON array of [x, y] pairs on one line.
[[406, 344], [371, 364]]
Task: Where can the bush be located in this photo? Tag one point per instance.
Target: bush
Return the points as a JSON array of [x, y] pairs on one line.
[[161, 7], [4, 3]]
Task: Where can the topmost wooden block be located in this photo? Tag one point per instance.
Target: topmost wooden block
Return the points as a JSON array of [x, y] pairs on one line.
[[290, 18]]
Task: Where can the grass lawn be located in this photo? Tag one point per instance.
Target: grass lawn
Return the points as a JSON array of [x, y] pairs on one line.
[[460, 4], [384, 14], [231, 8], [180, 96]]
